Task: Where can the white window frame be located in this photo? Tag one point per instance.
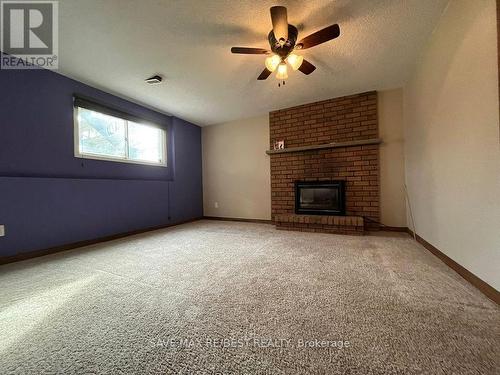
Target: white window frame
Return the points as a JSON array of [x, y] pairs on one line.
[[87, 155]]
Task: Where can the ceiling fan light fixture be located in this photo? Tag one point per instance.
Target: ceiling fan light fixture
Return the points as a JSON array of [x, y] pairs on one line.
[[283, 40], [295, 61], [282, 73], [272, 62]]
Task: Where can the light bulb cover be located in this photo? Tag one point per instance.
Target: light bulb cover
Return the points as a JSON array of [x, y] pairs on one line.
[[272, 62], [282, 71], [295, 61]]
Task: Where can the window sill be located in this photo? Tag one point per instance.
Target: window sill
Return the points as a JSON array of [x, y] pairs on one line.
[[117, 160]]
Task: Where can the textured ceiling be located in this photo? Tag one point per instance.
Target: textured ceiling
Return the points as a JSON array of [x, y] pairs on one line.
[[115, 44]]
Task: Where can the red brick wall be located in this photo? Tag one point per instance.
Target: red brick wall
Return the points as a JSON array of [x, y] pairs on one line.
[[336, 120]]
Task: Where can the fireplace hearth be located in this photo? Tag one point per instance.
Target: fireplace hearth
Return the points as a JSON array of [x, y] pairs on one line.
[[320, 197]]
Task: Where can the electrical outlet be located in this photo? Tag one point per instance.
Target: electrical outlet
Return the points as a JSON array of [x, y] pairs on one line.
[[216, 204], [2, 230]]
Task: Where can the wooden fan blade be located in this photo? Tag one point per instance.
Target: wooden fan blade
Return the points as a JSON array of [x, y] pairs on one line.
[[249, 50], [322, 36], [306, 67], [280, 22], [265, 73]]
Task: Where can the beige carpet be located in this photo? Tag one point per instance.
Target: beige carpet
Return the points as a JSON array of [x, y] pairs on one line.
[[232, 298]]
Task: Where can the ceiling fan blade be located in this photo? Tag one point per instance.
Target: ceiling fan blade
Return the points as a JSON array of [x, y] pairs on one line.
[[280, 22], [249, 50], [322, 36], [306, 67], [265, 73]]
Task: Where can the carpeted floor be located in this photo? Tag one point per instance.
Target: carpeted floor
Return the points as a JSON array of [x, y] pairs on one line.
[[234, 298]]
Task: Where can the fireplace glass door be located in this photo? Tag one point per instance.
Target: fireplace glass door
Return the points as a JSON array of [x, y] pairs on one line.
[[320, 198]]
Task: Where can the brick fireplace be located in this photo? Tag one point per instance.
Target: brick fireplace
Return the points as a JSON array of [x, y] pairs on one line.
[[335, 139]]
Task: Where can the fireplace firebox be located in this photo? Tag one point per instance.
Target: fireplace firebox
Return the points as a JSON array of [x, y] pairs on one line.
[[320, 197]]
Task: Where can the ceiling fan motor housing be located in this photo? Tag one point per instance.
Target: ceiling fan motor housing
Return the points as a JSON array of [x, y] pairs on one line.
[[283, 50]]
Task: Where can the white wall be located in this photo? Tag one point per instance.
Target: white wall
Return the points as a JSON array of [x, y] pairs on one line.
[[392, 167], [452, 149], [236, 169]]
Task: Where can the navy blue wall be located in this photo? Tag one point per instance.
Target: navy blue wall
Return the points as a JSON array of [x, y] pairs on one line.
[[50, 198]]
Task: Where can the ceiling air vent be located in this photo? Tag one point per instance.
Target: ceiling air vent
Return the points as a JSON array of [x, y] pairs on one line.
[[154, 80]]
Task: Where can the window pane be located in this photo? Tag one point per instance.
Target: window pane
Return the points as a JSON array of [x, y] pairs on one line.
[[101, 134], [145, 143]]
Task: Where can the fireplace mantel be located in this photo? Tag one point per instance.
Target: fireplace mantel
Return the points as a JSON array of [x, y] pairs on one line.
[[363, 142]]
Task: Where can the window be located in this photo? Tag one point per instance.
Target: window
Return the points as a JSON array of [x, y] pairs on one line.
[[104, 134]]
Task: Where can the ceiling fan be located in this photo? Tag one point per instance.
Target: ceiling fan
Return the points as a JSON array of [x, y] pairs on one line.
[[283, 42]]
